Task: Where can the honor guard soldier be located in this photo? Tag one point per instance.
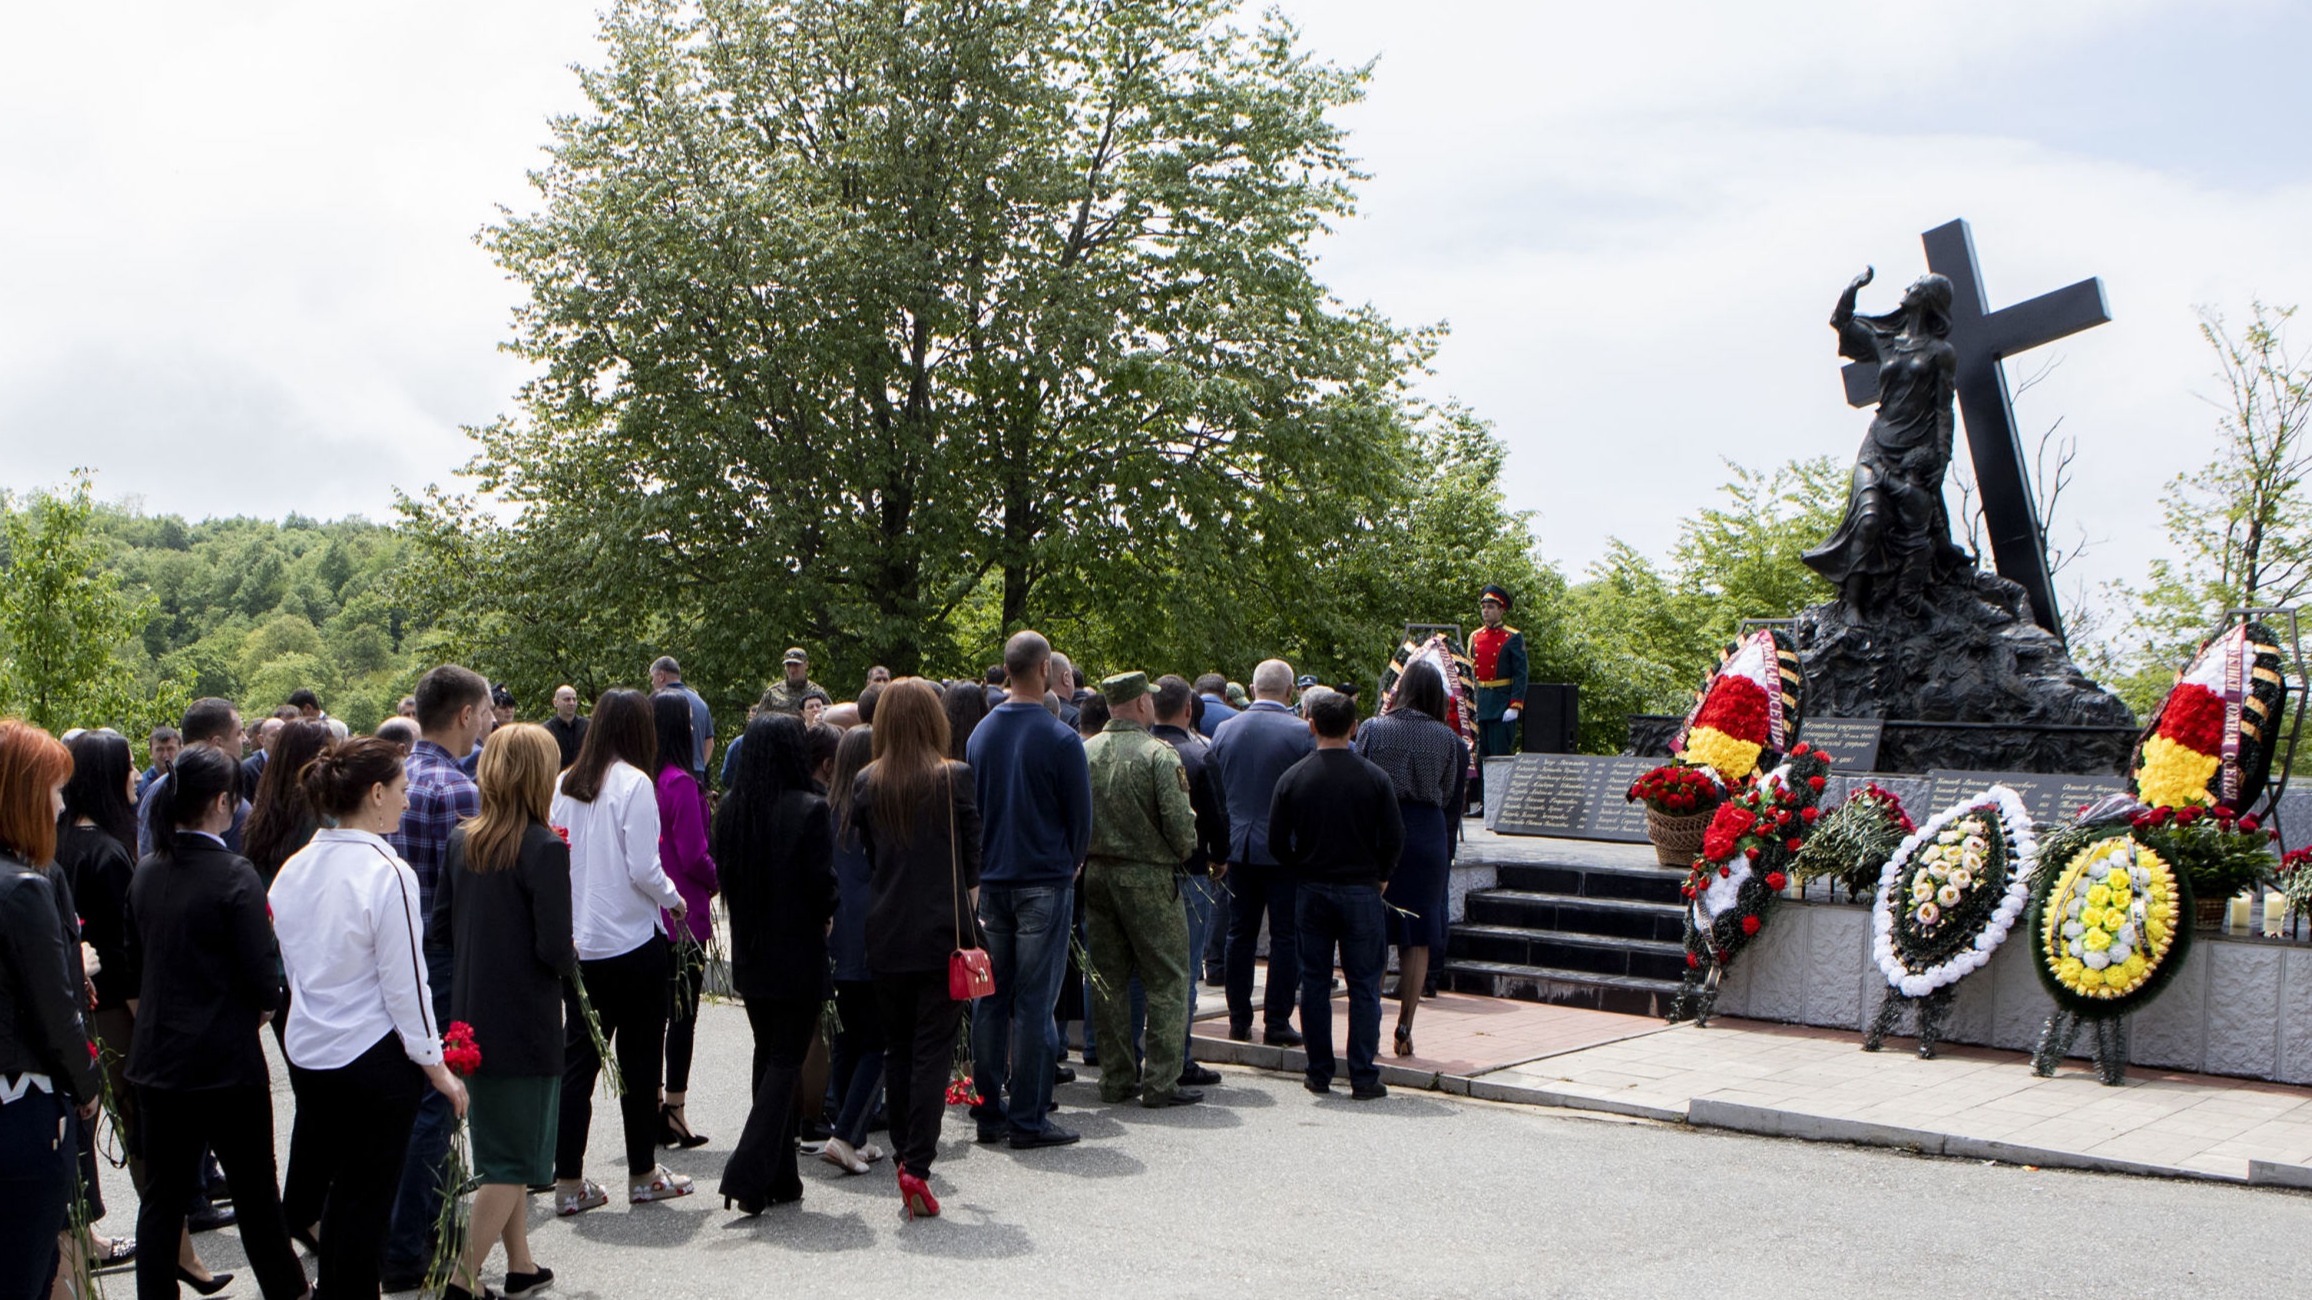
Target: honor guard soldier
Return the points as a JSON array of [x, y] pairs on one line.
[[1143, 827], [1497, 652]]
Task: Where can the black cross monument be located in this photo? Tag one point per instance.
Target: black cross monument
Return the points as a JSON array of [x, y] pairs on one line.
[[1983, 338]]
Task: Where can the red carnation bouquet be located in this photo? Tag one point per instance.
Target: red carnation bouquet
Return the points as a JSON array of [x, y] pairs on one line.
[[462, 1056], [1676, 790]]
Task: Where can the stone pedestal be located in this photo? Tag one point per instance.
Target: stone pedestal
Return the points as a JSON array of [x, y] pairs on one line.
[[2004, 690]]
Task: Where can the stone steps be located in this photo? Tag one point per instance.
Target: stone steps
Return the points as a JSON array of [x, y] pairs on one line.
[[1603, 937]]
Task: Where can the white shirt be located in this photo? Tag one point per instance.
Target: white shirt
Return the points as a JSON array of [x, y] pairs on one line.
[[616, 884], [346, 911]]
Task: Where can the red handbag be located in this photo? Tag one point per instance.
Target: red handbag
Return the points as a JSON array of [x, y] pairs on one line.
[[969, 973]]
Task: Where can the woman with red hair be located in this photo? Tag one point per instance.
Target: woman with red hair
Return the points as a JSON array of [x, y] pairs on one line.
[[46, 1070]]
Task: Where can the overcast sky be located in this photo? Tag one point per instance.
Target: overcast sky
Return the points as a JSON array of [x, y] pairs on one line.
[[237, 269]]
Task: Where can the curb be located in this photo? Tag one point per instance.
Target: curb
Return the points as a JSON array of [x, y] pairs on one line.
[[1762, 1121], [1291, 1060]]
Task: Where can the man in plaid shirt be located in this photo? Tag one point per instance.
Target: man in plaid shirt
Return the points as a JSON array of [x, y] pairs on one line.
[[453, 710]]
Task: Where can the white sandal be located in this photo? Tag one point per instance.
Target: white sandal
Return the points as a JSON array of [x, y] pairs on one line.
[[838, 1153], [662, 1184], [870, 1153]]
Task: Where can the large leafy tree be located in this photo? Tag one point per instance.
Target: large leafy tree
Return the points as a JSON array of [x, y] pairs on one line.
[[861, 322], [66, 623]]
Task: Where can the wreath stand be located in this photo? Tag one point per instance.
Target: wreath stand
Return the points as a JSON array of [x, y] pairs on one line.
[[1934, 1011], [1698, 999], [2062, 1030]]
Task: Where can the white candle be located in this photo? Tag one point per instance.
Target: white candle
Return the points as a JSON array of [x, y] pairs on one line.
[[2275, 913], [2236, 920]]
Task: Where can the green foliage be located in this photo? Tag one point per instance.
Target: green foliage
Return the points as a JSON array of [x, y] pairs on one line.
[[2240, 526], [1659, 630], [149, 612], [65, 620]]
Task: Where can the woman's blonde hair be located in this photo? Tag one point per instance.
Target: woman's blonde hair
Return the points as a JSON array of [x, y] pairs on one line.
[[516, 776]]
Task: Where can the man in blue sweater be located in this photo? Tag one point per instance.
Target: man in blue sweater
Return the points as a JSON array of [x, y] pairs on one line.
[[1251, 751], [1035, 805]]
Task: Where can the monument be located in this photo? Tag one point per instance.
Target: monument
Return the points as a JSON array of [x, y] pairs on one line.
[[1969, 668]]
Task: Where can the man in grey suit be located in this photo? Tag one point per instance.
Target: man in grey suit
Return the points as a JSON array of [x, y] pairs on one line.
[[1250, 752]]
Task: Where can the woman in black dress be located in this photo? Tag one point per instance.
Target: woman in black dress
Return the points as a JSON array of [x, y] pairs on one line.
[[774, 847], [46, 1076], [920, 823], [210, 978], [855, 1060], [502, 905], [1428, 764]]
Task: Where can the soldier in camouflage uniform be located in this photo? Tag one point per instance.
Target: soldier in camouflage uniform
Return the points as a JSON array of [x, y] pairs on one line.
[[1142, 828], [788, 693]]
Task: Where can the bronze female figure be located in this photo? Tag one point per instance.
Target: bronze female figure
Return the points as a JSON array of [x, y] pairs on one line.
[[1895, 541]]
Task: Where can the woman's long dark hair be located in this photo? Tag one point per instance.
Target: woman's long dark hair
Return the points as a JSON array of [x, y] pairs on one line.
[[621, 731], [966, 705], [852, 755], [1421, 687], [202, 773], [774, 760], [98, 789], [281, 818], [670, 723]]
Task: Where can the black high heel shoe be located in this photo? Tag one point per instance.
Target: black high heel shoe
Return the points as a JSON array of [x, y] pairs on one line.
[[674, 1130], [1404, 1040], [217, 1281], [747, 1205]]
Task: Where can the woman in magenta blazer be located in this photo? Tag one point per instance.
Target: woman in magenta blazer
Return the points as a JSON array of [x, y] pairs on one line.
[[682, 852]]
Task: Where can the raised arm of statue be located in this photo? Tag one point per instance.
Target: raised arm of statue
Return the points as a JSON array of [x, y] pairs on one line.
[[1857, 340]]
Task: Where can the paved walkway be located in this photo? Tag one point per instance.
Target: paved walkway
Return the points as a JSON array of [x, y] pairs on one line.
[[1794, 1081]]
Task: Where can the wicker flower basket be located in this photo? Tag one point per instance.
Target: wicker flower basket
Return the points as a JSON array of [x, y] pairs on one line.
[[2208, 913], [1677, 837]]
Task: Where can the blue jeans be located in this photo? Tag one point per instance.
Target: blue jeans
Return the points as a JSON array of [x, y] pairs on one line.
[[1256, 891], [409, 1242], [1014, 1042], [1349, 916]]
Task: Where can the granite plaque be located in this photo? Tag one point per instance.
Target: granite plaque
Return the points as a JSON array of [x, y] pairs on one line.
[[2048, 796], [1851, 743], [1578, 796]]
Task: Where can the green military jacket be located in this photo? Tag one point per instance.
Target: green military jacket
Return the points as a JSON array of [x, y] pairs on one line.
[[783, 698], [1140, 809]]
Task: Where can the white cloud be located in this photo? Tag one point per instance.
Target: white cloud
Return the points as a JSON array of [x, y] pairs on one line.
[[238, 274]]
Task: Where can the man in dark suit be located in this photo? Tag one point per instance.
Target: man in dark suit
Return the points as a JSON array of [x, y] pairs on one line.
[[1250, 752]]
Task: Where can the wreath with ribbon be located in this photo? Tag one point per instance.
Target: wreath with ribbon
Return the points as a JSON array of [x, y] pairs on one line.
[[1748, 712], [1746, 859], [1952, 892], [2211, 740]]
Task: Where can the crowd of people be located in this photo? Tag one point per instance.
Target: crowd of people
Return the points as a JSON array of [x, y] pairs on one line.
[[1028, 851]]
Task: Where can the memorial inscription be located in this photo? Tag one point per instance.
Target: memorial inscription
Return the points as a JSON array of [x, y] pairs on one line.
[[1579, 796], [1851, 743], [2047, 796]]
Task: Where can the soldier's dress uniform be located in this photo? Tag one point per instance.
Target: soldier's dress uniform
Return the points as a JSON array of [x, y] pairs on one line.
[[1143, 826], [1498, 655]]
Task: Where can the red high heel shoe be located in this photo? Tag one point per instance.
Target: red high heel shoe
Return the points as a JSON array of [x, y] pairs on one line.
[[916, 1195]]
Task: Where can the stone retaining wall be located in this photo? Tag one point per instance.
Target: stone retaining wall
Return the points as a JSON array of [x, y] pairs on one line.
[[2238, 1007]]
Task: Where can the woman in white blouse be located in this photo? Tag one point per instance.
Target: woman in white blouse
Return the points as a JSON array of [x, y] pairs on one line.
[[607, 807], [361, 1039]]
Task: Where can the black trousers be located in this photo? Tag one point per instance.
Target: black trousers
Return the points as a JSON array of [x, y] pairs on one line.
[[689, 961], [1254, 892], [351, 1137], [629, 995], [762, 1166], [237, 1124], [919, 1024]]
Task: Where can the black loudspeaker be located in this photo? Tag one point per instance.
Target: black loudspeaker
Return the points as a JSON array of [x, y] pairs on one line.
[[1552, 717]]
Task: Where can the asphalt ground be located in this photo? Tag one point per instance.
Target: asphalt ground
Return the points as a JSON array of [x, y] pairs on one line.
[[1267, 1190]]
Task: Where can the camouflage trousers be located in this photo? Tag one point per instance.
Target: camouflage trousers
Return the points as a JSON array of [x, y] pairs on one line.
[[1137, 927]]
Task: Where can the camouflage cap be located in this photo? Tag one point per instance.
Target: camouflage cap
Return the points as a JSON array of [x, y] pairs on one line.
[[1123, 688]]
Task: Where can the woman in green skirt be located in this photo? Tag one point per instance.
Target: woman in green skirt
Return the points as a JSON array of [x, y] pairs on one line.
[[503, 907]]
